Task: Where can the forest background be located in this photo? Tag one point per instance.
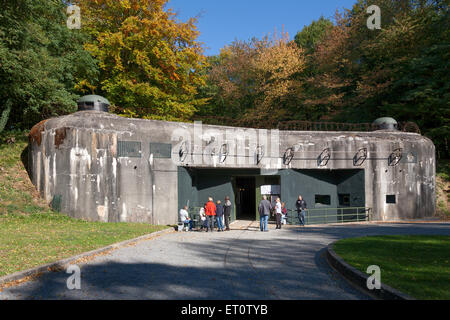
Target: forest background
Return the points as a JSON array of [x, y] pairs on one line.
[[150, 65]]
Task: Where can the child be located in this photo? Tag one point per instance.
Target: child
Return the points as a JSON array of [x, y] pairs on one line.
[[283, 213], [202, 218]]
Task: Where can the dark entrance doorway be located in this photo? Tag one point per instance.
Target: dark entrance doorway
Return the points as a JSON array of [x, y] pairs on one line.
[[245, 198]]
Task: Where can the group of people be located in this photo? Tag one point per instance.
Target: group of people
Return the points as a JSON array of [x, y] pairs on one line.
[[209, 214], [265, 208], [221, 213]]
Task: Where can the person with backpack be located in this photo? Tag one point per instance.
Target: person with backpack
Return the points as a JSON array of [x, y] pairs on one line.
[[301, 207]]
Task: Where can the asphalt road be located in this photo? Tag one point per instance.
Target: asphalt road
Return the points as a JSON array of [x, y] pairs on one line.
[[241, 264]]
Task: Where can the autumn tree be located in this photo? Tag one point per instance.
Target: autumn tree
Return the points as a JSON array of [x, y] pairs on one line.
[[151, 64], [397, 71], [277, 64], [232, 75], [256, 80]]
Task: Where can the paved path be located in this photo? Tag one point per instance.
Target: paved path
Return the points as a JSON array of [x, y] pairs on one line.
[[240, 264]]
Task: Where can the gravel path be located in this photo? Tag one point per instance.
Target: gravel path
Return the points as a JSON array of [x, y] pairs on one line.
[[241, 264]]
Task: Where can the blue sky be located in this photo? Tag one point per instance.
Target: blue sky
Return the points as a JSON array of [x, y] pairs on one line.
[[222, 21]]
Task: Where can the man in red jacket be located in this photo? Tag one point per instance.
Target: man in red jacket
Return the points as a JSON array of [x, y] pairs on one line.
[[210, 211]]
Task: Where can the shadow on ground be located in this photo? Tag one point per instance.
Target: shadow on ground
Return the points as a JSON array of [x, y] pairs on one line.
[[287, 264]]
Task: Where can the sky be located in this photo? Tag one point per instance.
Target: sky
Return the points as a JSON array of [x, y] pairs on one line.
[[220, 22]]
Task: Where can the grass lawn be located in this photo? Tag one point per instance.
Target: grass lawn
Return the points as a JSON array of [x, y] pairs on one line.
[[30, 233], [416, 265], [443, 188]]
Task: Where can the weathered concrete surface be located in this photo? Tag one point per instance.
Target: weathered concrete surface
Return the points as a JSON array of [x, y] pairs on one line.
[[75, 164], [241, 264]]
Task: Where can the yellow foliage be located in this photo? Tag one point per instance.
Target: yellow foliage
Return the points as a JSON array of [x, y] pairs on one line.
[[259, 76], [151, 63]]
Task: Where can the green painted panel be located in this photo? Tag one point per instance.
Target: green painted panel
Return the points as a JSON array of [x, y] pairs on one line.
[[187, 194], [56, 203], [130, 149], [161, 150], [196, 185], [310, 183]]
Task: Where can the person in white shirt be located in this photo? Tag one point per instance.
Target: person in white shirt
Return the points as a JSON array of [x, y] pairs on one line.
[[184, 217], [278, 213], [202, 215], [283, 213]]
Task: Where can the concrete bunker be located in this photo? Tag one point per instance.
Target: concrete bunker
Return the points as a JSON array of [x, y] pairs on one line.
[[98, 166]]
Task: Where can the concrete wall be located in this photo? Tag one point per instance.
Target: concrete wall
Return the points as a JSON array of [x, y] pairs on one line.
[[75, 159]]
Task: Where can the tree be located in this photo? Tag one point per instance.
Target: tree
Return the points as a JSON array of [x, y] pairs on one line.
[[399, 71], [209, 91], [256, 80], [151, 64], [40, 62], [278, 65], [233, 76], [310, 36]]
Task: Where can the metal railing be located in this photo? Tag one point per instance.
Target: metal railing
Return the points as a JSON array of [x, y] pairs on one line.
[[301, 125], [331, 215], [312, 216]]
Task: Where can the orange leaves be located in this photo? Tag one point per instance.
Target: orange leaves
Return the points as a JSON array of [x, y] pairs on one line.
[[150, 62], [174, 76], [277, 64], [259, 75]]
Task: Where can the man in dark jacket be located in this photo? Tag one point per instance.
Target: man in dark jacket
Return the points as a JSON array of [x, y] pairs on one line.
[[219, 215], [227, 212], [301, 207], [264, 209]]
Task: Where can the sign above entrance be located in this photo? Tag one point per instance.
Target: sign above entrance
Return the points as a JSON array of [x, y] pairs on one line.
[[270, 189]]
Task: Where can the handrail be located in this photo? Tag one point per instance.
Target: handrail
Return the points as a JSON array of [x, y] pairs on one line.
[[302, 125], [359, 214], [313, 216]]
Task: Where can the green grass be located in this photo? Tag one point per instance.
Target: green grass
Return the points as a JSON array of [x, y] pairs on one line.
[[32, 240], [416, 265], [443, 188], [30, 233], [443, 169]]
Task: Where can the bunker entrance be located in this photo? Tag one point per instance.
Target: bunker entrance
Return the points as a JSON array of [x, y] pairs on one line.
[[245, 193], [331, 195], [242, 186]]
